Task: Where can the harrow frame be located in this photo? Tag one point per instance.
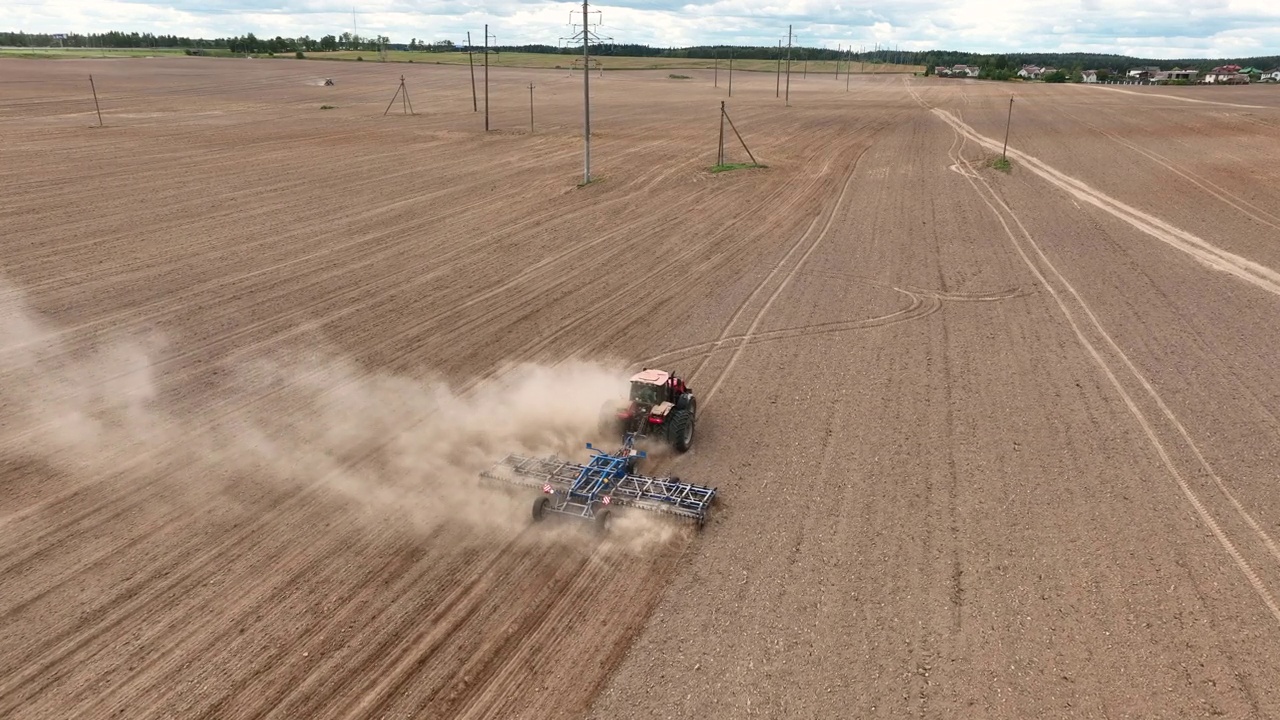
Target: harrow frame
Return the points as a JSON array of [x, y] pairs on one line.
[[605, 481]]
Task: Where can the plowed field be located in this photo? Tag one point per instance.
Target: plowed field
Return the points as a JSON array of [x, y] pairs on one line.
[[988, 444]]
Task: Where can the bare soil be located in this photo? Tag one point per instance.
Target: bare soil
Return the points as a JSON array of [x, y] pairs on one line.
[[988, 444]]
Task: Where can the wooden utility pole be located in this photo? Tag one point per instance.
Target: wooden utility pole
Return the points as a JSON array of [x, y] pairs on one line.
[[95, 100], [730, 72], [472, 65], [788, 101], [716, 54], [1007, 123], [777, 91], [720, 146], [530, 108]]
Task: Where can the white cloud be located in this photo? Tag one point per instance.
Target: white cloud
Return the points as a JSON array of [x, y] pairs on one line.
[[1150, 28]]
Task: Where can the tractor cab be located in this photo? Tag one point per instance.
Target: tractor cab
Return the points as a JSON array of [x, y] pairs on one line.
[[654, 387]]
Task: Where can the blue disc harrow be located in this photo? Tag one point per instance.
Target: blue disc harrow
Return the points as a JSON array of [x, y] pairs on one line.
[[590, 491]]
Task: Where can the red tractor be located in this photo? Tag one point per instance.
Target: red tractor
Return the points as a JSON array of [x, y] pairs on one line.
[[661, 406]]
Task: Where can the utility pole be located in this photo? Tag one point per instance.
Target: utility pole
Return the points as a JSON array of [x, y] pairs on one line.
[[788, 101], [586, 36], [530, 108], [716, 54], [777, 91], [486, 77], [1007, 123], [586, 94], [730, 72], [472, 65], [99, 107], [720, 147]]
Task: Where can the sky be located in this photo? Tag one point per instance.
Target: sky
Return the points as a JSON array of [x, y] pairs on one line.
[[1141, 28]]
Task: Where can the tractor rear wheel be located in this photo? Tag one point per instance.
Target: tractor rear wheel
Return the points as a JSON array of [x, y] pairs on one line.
[[680, 430], [540, 508]]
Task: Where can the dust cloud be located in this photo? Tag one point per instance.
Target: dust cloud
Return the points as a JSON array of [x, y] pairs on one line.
[[391, 446]]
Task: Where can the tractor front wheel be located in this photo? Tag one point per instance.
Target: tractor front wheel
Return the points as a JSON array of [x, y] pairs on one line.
[[540, 508]]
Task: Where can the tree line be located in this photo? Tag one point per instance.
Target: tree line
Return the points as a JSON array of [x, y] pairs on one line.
[[994, 65]]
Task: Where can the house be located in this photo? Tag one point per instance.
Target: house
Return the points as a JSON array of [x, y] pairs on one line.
[[1271, 76], [1226, 75], [1030, 72], [1180, 74], [1089, 76], [965, 71], [941, 71], [1142, 73]]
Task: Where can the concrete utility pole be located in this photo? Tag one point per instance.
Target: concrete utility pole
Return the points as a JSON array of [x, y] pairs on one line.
[[486, 77], [585, 36], [586, 95]]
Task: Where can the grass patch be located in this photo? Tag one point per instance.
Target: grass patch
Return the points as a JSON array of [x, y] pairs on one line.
[[328, 107], [674, 76], [89, 52], [730, 167], [1001, 163]]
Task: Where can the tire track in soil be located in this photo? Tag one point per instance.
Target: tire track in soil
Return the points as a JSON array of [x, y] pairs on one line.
[[218, 552], [393, 663], [786, 279], [130, 601], [541, 620], [1259, 215], [316, 693], [1272, 547], [1004, 214], [349, 308], [916, 309], [1198, 248], [782, 263], [252, 604], [491, 696], [500, 672]]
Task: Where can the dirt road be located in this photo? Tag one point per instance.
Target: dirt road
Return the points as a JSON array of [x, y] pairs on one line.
[[989, 445]]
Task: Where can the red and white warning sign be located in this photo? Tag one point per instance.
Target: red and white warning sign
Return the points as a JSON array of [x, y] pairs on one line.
[[548, 489], [606, 500]]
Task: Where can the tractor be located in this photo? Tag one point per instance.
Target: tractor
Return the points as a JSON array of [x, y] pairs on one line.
[[660, 406]]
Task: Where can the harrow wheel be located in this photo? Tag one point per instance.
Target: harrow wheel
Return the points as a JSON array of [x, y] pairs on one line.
[[604, 521], [540, 508]]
